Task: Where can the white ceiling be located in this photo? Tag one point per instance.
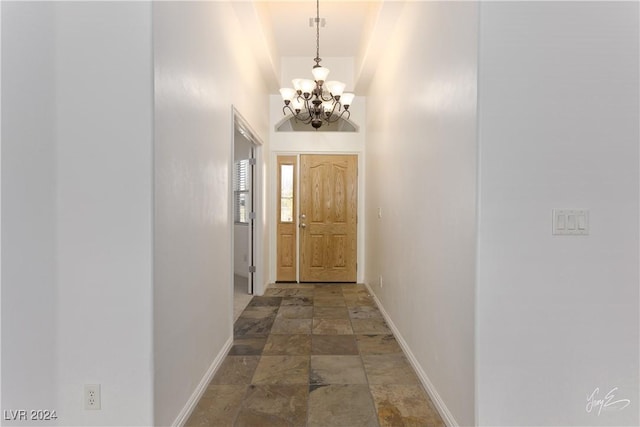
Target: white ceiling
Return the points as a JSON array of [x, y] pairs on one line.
[[357, 29], [346, 27]]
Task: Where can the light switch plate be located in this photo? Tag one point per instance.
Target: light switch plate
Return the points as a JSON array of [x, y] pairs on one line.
[[570, 222]]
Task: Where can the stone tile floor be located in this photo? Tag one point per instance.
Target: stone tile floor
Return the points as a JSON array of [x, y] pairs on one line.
[[314, 355]]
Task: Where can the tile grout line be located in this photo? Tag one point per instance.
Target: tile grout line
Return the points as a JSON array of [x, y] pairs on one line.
[[366, 374], [249, 386], [313, 309], [246, 392]]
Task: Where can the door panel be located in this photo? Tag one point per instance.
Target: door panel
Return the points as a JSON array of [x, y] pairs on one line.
[[288, 245], [328, 218], [286, 227]]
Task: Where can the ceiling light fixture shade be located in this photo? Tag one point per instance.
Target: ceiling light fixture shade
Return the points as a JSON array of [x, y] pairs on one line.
[[287, 94], [307, 87], [335, 88], [296, 84], [347, 99], [320, 73], [315, 102]]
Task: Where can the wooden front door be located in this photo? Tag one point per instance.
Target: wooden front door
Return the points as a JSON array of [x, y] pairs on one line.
[[328, 218]]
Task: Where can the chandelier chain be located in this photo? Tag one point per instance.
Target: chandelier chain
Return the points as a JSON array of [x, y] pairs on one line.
[[318, 32]]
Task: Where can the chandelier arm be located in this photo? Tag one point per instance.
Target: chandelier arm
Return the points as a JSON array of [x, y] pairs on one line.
[[301, 99], [333, 110], [338, 117], [305, 115], [331, 98], [293, 113], [297, 115]]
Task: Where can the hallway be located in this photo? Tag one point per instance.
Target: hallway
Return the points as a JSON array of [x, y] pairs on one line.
[[315, 355], [482, 128]]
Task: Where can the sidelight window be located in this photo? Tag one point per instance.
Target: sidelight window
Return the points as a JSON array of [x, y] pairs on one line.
[[286, 193]]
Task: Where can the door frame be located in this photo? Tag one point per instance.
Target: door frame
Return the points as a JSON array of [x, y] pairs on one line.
[[256, 246], [272, 194]]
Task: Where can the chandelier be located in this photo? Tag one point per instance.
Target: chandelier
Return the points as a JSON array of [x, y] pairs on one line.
[[317, 101]]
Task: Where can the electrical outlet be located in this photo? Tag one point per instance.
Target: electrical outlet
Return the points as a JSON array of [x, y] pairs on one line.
[[380, 281], [92, 396]]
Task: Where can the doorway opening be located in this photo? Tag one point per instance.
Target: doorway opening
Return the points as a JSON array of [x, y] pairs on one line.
[[246, 203], [317, 218]]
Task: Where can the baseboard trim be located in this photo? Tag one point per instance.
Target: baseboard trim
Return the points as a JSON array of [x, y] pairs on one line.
[[444, 412], [188, 408]]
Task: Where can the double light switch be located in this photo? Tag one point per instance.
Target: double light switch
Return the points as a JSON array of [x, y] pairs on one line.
[[570, 222]]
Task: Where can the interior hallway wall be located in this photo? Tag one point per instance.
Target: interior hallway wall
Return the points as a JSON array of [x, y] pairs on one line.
[[421, 178], [29, 285], [558, 316], [203, 64], [77, 210]]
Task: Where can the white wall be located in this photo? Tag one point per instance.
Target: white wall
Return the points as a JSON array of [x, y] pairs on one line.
[[77, 241], [104, 209], [316, 142], [241, 250], [557, 316], [0, 207], [202, 65], [421, 173], [29, 285]]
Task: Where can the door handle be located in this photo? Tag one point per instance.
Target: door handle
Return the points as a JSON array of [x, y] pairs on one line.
[[303, 225]]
